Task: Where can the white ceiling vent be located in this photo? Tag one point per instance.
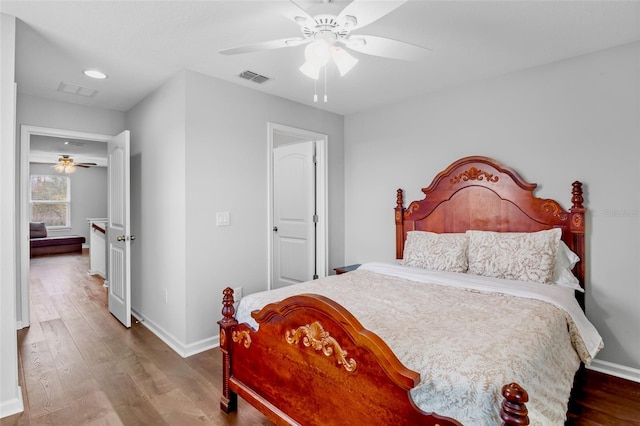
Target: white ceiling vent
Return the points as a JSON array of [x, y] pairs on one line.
[[72, 89], [253, 76]]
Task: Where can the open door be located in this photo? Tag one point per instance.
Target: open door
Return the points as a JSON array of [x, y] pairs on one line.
[[294, 214], [118, 229]]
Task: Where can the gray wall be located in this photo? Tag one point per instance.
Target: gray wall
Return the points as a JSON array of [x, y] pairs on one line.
[[200, 146], [158, 208], [576, 119], [41, 112]]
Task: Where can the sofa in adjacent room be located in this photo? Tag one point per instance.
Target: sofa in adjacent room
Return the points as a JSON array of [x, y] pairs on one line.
[[42, 244]]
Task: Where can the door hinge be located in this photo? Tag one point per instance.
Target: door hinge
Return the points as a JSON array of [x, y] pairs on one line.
[[315, 218], [315, 159]]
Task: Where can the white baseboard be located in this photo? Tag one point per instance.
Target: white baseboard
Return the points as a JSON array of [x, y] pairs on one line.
[[102, 274], [616, 370], [202, 345], [12, 406], [182, 349]]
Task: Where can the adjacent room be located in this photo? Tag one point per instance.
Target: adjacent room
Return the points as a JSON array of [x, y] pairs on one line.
[[228, 212]]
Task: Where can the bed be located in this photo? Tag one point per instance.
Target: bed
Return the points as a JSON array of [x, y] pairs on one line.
[[482, 310]]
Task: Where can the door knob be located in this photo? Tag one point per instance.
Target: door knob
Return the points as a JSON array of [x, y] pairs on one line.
[[133, 237], [121, 238], [275, 229]]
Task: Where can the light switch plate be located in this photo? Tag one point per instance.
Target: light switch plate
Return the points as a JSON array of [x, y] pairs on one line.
[[222, 218]]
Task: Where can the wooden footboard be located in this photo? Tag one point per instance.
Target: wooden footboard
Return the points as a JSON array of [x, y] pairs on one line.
[[312, 362]]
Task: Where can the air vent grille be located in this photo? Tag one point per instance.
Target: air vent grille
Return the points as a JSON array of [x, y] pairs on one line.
[[253, 76], [72, 89]]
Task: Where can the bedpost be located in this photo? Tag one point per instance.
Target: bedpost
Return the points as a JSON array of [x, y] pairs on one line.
[[229, 399], [399, 224], [577, 226], [514, 410]]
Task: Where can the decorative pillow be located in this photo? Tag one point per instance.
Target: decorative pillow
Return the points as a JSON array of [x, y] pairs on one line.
[[522, 256], [437, 252], [562, 271], [37, 230]]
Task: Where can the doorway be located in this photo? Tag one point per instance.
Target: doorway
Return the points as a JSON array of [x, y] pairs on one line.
[[315, 259], [27, 132]]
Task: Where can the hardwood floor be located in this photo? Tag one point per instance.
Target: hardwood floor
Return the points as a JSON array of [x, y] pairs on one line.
[[79, 366]]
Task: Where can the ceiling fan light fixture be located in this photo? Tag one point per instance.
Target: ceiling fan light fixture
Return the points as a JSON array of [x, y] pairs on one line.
[[318, 53], [311, 70], [344, 61], [65, 165]]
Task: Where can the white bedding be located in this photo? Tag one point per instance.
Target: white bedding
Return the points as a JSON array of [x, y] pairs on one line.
[[462, 346]]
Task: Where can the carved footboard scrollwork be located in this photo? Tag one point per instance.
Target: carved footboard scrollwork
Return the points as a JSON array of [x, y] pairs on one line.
[[314, 336]]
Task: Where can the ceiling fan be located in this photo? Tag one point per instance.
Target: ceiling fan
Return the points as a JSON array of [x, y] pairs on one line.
[[67, 165], [328, 36]]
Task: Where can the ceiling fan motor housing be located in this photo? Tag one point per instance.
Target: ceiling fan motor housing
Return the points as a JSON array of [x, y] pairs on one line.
[[325, 27]]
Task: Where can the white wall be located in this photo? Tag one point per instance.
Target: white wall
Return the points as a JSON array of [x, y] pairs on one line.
[[10, 393], [577, 119], [88, 197], [199, 145]]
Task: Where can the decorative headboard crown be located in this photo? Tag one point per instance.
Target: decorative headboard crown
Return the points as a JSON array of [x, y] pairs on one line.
[[481, 193]]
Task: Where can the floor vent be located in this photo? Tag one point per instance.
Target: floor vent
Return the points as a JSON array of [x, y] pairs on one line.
[[253, 76], [72, 89]]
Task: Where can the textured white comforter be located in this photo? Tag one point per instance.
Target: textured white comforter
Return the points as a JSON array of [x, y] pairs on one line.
[[467, 336]]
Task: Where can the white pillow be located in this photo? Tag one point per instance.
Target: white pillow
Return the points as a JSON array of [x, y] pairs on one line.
[[522, 256], [437, 252], [562, 271]]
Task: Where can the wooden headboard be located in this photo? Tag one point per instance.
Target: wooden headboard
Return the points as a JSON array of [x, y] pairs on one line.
[[481, 193]]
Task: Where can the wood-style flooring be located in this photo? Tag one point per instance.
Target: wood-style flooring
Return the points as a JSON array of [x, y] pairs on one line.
[[79, 366]]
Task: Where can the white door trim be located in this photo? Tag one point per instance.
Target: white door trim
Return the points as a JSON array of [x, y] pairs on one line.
[[25, 142], [321, 195]]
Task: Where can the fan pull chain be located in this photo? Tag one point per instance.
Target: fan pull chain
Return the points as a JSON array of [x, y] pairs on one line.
[[315, 87], [325, 83], [315, 90]]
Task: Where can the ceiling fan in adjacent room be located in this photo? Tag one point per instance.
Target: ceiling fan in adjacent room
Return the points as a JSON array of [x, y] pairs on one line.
[[329, 36], [66, 164]]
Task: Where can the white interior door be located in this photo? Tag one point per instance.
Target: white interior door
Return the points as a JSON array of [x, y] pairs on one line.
[[293, 214], [118, 229]]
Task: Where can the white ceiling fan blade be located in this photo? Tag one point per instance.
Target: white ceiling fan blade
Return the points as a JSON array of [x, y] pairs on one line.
[[367, 12], [265, 45], [386, 47], [297, 14]]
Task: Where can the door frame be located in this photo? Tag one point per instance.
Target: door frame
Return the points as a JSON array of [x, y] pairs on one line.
[[322, 209], [26, 131]]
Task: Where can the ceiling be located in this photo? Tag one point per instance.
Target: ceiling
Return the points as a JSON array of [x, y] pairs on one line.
[[47, 149], [141, 44]]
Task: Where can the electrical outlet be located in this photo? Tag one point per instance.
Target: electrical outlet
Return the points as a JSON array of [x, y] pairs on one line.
[[166, 296], [237, 294], [222, 219]]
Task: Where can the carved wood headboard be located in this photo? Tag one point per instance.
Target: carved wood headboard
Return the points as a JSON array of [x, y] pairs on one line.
[[481, 193]]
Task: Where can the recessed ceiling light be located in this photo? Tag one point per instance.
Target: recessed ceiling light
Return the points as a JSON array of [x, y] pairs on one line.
[[95, 74]]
